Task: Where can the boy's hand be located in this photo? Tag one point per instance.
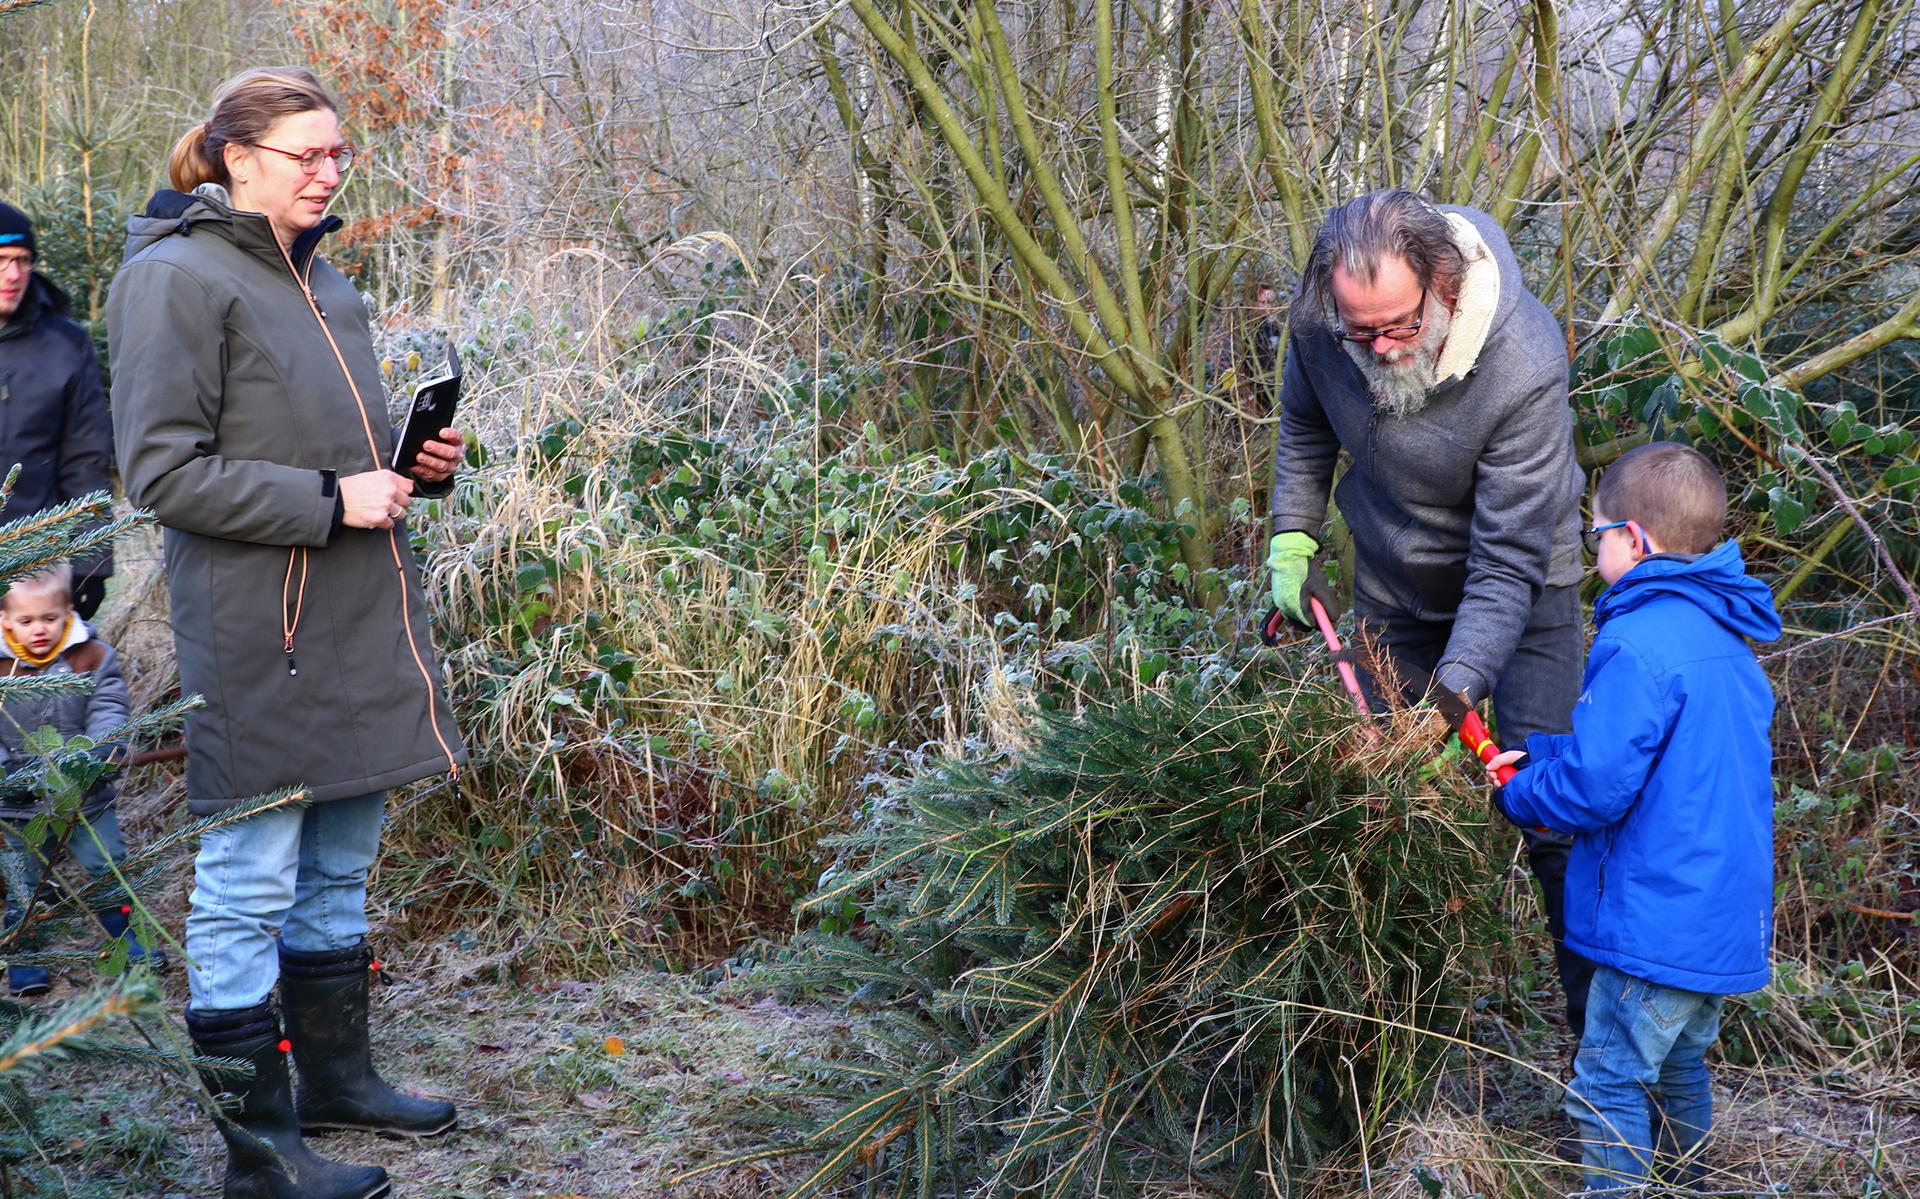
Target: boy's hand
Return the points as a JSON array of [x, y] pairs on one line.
[[1503, 758]]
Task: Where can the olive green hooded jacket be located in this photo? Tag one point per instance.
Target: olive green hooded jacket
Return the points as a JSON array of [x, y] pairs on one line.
[[234, 419]]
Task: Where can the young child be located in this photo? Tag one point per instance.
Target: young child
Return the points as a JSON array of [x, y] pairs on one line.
[[1667, 783], [40, 634]]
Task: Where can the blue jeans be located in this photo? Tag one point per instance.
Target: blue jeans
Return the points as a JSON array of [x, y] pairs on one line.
[[26, 868], [1640, 1097], [300, 873], [1535, 693]]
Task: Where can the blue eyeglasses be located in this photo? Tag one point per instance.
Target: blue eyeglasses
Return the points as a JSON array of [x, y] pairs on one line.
[[1591, 537]]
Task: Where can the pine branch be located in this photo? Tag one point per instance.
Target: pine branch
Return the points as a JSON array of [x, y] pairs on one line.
[[61, 1034]]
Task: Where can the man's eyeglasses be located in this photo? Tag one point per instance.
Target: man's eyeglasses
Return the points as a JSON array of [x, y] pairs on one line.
[[1591, 537], [1395, 332], [310, 161]]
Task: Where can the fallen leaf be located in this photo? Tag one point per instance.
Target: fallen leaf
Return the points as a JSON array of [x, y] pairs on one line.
[[616, 1046], [489, 1047], [597, 1101], [734, 1076]]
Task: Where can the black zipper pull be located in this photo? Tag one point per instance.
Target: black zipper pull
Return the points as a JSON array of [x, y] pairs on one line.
[[293, 668]]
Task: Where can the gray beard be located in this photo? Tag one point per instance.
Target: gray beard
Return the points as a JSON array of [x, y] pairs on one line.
[[1402, 389]]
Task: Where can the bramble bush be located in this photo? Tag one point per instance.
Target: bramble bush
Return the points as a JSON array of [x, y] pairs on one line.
[[685, 648]]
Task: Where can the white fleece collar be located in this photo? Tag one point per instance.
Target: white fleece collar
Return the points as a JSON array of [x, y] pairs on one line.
[[1473, 309]]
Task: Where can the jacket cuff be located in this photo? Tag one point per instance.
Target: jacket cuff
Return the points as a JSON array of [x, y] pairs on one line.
[[1294, 522], [1516, 793], [433, 491], [335, 505], [1464, 679]]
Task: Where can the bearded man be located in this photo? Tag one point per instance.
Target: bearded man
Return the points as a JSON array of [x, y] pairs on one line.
[[1415, 347]]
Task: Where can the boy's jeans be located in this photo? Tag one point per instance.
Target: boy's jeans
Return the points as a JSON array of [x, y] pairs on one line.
[[1643, 1050], [300, 872], [25, 870]]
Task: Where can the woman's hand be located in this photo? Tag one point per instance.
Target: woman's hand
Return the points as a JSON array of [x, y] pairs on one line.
[[439, 457], [374, 499], [1504, 758]]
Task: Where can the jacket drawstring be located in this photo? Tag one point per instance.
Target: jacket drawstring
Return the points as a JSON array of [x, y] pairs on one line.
[[290, 615], [393, 536]]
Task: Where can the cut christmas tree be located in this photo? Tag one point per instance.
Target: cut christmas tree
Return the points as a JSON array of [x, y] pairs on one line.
[[1178, 941]]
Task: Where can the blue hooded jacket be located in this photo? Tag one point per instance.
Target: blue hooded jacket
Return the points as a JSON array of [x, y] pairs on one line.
[[1667, 779]]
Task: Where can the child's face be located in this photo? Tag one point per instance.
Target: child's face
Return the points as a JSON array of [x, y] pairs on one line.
[[35, 619], [1618, 553]]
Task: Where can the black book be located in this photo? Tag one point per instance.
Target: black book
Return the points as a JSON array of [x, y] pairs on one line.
[[434, 399]]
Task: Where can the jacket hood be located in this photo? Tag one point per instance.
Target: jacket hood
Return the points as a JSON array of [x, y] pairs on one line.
[[1489, 292], [1716, 582], [208, 207]]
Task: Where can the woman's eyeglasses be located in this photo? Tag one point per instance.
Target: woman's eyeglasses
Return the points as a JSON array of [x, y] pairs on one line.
[[310, 161]]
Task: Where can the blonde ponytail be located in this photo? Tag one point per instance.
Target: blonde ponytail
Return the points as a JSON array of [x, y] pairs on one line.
[[188, 166]]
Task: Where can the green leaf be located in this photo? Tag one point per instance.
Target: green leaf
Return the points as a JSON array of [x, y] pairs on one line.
[[1630, 346], [1900, 476], [1719, 355], [1788, 511], [531, 576]]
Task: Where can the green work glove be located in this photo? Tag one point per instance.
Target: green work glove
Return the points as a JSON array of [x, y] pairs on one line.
[[1296, 577]]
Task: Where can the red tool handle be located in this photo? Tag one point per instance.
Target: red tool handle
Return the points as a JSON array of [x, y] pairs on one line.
[[1270, 633], [1473, 735], [1347, 676]]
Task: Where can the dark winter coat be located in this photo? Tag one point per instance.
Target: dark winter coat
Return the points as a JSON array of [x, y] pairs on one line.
[[53, 414], [235, 420], [96, 714], [1667, 779], [1468, 508]]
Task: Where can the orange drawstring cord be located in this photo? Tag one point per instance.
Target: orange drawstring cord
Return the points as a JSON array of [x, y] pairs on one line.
[[393, 536], [290, 624]]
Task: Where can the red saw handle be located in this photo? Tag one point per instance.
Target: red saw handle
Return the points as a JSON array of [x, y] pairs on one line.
[[1473, 735]]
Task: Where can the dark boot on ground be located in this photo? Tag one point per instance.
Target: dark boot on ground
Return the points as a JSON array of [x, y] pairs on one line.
[[325, 996], [28, 980], [266, 1159], [118, 921]]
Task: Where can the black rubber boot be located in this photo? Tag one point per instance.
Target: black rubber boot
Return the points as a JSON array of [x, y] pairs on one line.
[[28, 980], [325, 996], [266, 1159]]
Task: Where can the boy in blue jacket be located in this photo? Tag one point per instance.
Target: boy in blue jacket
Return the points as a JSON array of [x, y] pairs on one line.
[[1666, 783]]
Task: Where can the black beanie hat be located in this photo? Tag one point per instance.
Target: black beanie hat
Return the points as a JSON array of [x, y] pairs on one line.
[[16, 229]]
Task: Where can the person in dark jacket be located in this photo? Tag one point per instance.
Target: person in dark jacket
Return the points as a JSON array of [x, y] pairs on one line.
[[1416, 348], [1666, 783], [53, 413], [40, 636], [251, 418]]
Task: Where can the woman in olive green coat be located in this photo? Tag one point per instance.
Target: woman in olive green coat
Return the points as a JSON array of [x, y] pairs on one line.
[[250, 417]]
